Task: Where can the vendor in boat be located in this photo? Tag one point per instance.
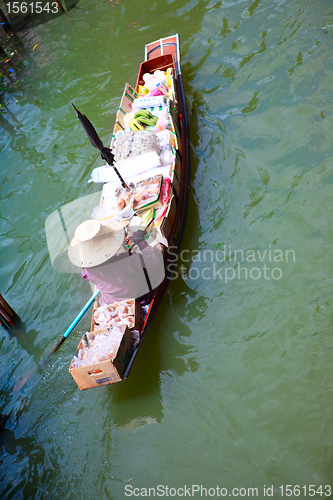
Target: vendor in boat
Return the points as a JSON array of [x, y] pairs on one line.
[[120, 274]]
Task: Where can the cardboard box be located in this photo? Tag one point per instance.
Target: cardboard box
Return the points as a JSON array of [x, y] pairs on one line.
[[125, 107], [118, 126], [105, 372], [138, 314], [127, 99]]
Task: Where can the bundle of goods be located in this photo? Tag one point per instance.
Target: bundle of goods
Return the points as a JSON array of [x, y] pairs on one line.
[[147, 194], [151, 103], [134, 143], [122, 313], [136, 165], [167, 145], [124, 196], [141, 120], [144, 143], [155, 119], [140, 197], [157, 84], [100, 347], [150, 108]]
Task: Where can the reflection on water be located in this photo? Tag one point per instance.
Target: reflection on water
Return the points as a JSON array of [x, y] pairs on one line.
[[233, 384], [60, 227]]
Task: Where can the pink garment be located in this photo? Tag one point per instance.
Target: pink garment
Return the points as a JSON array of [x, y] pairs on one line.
[[123, 277]]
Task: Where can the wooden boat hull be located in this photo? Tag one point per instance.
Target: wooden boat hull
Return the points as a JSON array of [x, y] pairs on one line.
[[158, 54]]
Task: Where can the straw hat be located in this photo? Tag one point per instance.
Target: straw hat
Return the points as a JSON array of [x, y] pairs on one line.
[[94, 243]]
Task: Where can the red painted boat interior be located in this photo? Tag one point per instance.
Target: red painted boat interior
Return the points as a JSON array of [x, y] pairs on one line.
[[158, 63]]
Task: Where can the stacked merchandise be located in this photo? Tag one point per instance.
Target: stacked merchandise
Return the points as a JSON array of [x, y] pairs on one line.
[[107, 330], [99, 347], [103, 353], [145, 142], [126, 312], [102, 357]]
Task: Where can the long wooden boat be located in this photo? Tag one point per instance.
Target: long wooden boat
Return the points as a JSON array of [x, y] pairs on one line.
[[161, 55]]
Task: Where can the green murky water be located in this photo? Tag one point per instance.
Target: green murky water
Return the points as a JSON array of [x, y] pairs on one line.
[[233, 384]]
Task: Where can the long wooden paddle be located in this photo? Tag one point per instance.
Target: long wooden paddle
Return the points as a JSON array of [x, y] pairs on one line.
[[63, 338]]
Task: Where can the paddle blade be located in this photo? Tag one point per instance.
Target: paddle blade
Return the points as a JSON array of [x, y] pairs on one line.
[[55, 348]]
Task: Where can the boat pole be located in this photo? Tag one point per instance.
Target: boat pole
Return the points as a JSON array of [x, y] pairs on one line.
[[8, 316], [73, 324]]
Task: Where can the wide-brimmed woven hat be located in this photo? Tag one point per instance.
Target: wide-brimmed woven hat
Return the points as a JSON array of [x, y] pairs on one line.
[[95, 243]]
